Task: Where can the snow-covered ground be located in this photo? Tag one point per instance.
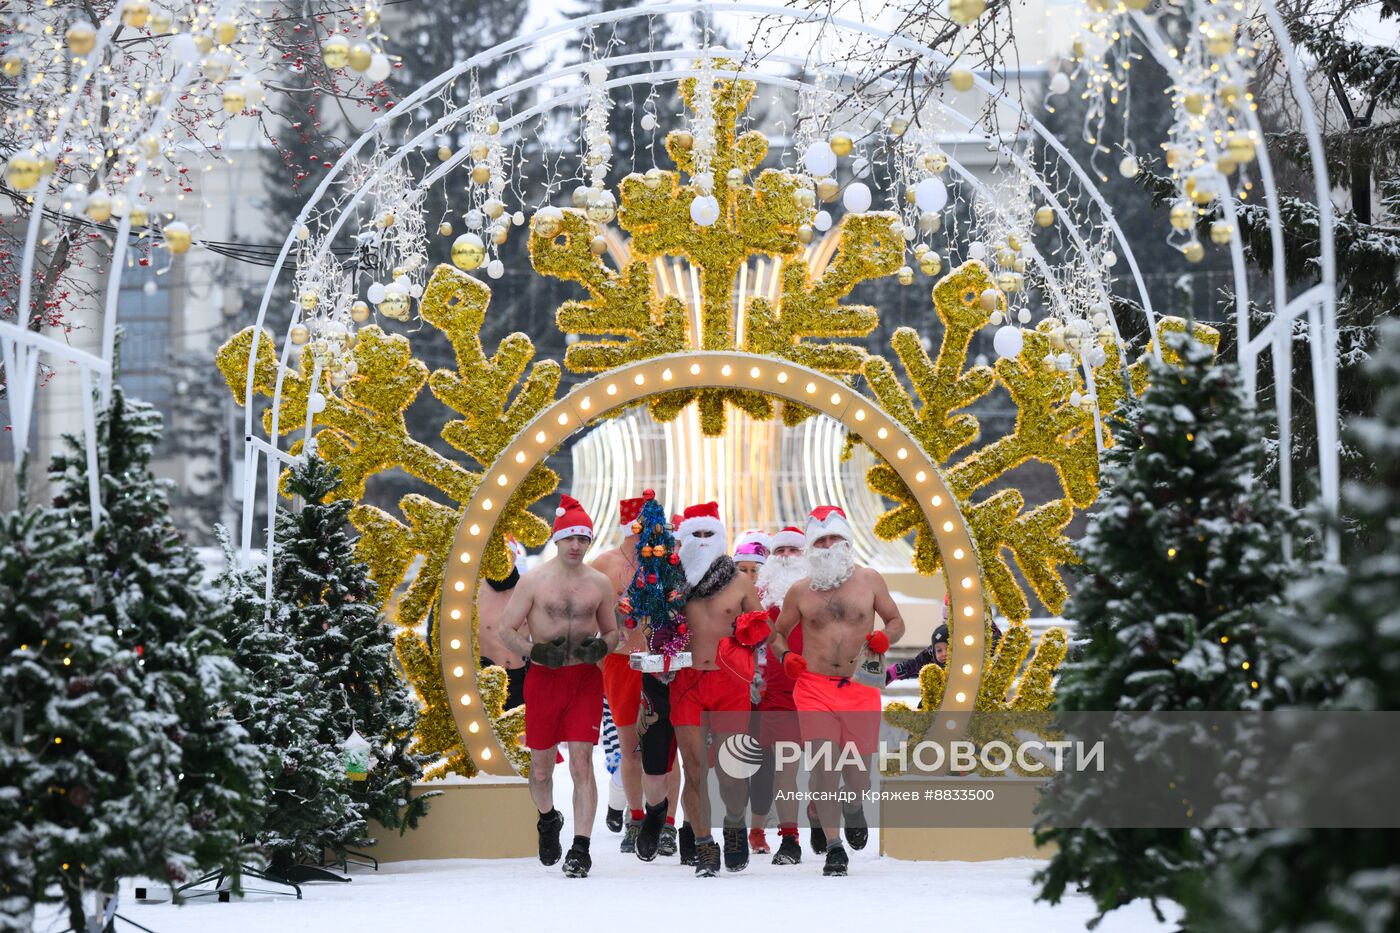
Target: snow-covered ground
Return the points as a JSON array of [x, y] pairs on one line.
[[503, 894]]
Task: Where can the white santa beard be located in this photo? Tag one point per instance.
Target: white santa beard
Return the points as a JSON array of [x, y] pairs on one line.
[[832, 566], [777, 576], [698, 554]]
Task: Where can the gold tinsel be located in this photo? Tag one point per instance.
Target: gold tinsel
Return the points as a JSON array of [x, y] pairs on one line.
[[362, 431], [624, 308]]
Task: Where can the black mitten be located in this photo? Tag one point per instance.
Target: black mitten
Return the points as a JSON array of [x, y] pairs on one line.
[[591, 650], [553, 653]]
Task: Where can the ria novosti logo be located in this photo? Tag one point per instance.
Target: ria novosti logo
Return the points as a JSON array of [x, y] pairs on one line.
[[740, 756]]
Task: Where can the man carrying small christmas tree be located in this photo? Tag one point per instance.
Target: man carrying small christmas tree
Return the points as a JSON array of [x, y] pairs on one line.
[[567, 609]]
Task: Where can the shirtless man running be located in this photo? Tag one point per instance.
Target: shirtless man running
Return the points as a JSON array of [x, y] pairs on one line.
[[714, 690], [836, 606], [623, 687], [567, 609]]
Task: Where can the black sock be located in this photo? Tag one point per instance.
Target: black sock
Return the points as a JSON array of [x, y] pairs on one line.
[[581, 843], [548, 817]]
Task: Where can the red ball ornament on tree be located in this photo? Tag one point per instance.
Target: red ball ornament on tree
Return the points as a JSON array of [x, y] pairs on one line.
[[651, 578], [675, 558], [681, 629], [631, 622], [648, 494]]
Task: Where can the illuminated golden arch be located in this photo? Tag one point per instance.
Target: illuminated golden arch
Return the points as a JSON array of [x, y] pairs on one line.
[[637, 382]]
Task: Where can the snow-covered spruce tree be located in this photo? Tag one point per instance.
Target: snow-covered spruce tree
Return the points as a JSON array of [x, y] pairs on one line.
[[1181, 565], [1348, 622], [288, 714], [147, 586], [86, 765], [334, 617]]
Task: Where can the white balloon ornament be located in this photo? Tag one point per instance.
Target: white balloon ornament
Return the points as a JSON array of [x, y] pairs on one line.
[[931, 195], [704, 210], [977, 250], [822, 221], [1059, 84], [856, 198], [375, 293], [819, 159], [378, 68], [1008, 341]]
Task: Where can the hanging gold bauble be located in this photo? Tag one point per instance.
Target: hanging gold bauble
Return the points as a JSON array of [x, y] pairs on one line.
[[1174, 157], [1229, 93], [299, 334], [965, 12], [226, 32], [335, 52], [1220, 42], [499, 232], [99, 207], [681, 139], [161, 22], [22, 171], [1005, 257], [905, 275], [12, 66], [359, 312], [805, 234], [1008, 283], [139, 217], [444, 153], [898, 126], [445, 228], [1019, 264], [395, 305], [546, 225], [481, 173], [495, 207], [930, 264], [1194, 102], [136, 13], [960, 79], [81, 38], [480, 151], [598, 245], [1193, 251], [842, 144], [1241, 147], [652, 178], [1136, 5], [827, 189], [309, 300], [1226, 165], [493, 126], [1183, 215], [234, 100], [1221, 232], [178, 238], [203, 43], [468, 251], [1044, 215], [602, 210], [360, 57], [1013, 242]]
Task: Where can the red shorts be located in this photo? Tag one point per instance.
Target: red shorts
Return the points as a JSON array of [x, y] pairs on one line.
[[623, 687], [721, 694], [563, 704], [837, 709]]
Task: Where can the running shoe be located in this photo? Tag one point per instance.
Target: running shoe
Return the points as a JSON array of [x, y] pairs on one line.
[[706, 859], [836, 862], [629, 838], [857, 829], [758, 841], [549, 826], [667, 846], [649, 832], [736, 849], [789, 851], [818, 834], [577, 863], [687, 844], [614, 819]]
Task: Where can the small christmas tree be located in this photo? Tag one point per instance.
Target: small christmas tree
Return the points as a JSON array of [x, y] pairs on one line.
[[334, 617], [1181, 566], [656, 595], [148, 587], [85, 764], [1344, 619]]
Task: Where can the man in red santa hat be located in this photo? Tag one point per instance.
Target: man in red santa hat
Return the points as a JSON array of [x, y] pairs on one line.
[[566, 608], [836, 606], [713, 693], [623, 687], [775, 713]]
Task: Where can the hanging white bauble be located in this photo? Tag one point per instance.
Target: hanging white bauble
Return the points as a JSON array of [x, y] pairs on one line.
[[375, 293], [931, 195], [1128, 167], [495, 269], [705, 182], [185, 50], [704, 210], [74, 197], [856, 197], [1024, 315], [995, 318], [597, 73], [1075, 398], [415, 290], [819, 158], [1008, 341], [822, 221], [518, 218], [473, 219], [316, 403], [977, 250], [648, 121], [378, 68], [861, 167], [149, 287], [1110, 259], [1059, 84]]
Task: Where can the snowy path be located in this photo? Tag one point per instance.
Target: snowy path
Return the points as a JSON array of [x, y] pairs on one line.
[[503, 894]]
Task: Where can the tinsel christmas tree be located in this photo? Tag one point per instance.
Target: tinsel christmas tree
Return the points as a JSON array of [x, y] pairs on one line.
[[86, 763], [147, 587], [1181, 566], [332, 612], [656, 595], [1345, 619]]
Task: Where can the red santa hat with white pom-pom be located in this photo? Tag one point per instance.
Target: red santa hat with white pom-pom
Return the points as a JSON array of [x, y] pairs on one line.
[[791, 536], [828, 520], [570, 519]]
